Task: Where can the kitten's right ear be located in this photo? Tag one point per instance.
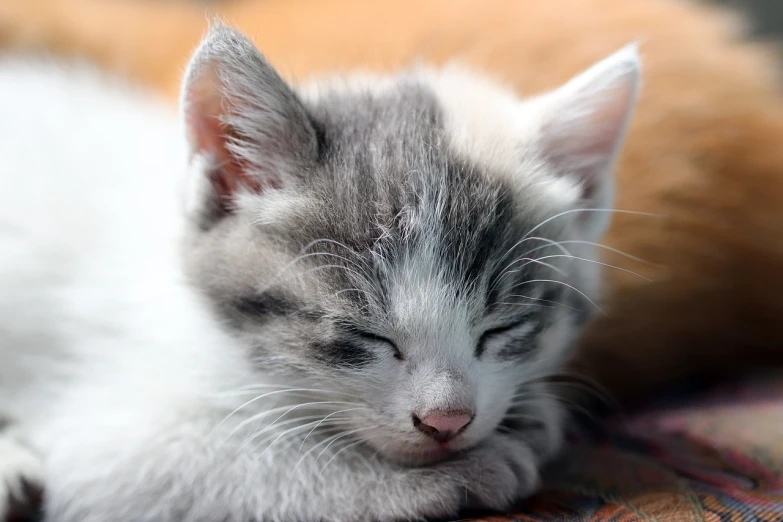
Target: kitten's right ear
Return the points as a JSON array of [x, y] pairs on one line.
[[245, 125], [582, 128]]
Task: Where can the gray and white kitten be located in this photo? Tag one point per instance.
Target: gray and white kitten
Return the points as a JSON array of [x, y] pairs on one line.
[[379, 274]]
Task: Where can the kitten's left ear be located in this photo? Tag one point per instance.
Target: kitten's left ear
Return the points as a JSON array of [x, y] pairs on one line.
[[248, 127], [583, 125]]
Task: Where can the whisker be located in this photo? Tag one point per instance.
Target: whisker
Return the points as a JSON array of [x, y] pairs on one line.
[[365, 292], [313, 418], [325, 418], [520, 416], [252, 388], [344, 448], [558, 303], [606, 400], [533, 260], [573, 210], [291, 431], [325, 267], [571, 405], [526, 304], [600, 263], [378, 452], [314, 447], [314, 254], [276, 279], [564, 284], [611, 249], [326, 240], [301, 255], [533, 238], [255, 399], [289, 409], [589, 382], [347, 434], [328, 441]]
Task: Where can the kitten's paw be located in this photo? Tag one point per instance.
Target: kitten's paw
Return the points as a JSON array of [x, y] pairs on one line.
[[20, 480], [498, 473]]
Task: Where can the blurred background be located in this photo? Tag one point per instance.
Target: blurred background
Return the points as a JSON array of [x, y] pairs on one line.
[[767, 15]]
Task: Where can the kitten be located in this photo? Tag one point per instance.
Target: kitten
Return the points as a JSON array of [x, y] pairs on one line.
[[699, 295], [353, 316]]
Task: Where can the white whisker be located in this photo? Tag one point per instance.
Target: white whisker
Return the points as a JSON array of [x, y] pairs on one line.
[[341, 267], [289, 409], [610, 249], [325, 418], [526, 304], [312, 418], [346, 434], [573, 210], [253, 388], [358, 290], [255, 399], [599, 263], [533, 260], [275, 437], [344, 448], [533, 238], [327, 441], [558, 303], [564, 284]]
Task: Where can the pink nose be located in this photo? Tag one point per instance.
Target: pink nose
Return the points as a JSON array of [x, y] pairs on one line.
[[443, 426]]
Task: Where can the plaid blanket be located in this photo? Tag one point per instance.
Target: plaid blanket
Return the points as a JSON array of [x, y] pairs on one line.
[[717, 457]]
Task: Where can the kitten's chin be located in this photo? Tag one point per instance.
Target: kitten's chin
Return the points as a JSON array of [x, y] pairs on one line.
[[413, 456]]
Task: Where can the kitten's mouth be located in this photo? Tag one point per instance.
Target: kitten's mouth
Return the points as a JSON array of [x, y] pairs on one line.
[[426, 455], [422, 457]]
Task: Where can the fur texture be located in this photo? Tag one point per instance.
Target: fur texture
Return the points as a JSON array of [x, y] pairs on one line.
[[703, 152], [351, 258]]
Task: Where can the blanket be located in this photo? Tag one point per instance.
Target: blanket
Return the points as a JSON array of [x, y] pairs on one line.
[[717, 457]]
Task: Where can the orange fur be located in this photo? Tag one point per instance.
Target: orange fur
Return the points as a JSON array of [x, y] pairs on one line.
[[705, 150]]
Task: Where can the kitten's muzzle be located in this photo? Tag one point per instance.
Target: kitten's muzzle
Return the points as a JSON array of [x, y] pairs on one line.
[[443, 426]]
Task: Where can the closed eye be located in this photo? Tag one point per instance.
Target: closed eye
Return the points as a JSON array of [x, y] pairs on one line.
[[266, 304], [528, 322], [377, 339]]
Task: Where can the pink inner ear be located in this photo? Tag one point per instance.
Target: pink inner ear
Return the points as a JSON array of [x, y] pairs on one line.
[[229, 174], [210, 136]]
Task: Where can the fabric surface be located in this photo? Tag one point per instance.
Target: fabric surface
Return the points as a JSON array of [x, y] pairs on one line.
[[716, 457]]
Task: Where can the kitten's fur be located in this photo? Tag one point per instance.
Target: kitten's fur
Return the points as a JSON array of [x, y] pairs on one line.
[[362, 251], [703, 151]]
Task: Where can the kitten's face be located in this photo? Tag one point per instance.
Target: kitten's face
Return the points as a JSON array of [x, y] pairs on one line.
[[361, 240]]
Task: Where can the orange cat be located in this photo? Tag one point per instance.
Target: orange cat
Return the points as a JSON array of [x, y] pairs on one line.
[[705, 151]]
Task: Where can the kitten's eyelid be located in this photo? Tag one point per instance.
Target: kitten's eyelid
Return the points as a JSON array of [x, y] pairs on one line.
[[525, 316], [266, 304], [525, 320], [373, 337], [521, 322]]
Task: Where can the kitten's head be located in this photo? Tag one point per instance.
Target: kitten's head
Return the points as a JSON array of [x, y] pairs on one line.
[[417, 244]]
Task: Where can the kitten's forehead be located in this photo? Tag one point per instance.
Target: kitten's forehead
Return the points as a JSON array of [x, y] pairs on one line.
[[392, 187], [383, 127], [417, 126], [464, 114]]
